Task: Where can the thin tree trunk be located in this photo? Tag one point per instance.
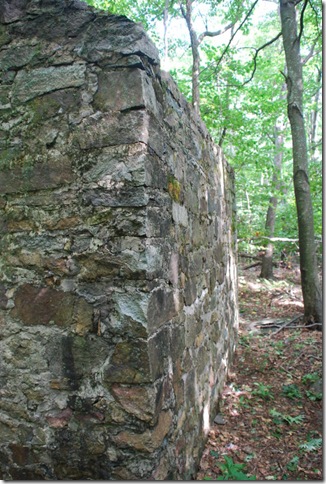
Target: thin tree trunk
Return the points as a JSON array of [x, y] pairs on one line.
[[195, 41], [166, 38], [187, 14], [314, 119], [267, 260], [311, 288]]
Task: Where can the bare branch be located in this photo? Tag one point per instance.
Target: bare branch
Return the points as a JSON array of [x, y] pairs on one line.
[[208, 33], [256, 264], [312, 52], [222, 137], [256, 50], [301, 19], [256, 55], [314, 10]]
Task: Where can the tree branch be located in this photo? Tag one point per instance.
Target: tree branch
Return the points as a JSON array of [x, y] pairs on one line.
[[256, 55], [234, 34], [312, 53], [208, 33], [301, 20]]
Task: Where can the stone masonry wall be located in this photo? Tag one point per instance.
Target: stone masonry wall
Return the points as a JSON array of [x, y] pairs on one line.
[[118, 304]]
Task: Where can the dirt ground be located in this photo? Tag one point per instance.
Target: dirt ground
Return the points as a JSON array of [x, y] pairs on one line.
[[270, 422]]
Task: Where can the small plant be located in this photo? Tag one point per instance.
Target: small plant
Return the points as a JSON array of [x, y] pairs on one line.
[[279, 348], [293, 464], [314, 396], [291, 391], [310, 378], [249, 457], [311, 445], [277, 433], [244, 340], [214, 453], [243, 401], [233, 472], [279, 417], [263, 391]]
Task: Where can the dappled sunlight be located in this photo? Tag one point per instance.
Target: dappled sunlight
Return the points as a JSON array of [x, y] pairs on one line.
[[270, 416], [280, 297]]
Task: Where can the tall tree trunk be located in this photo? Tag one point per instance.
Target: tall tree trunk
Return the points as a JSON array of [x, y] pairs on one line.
[[166, 38], [311, 288], [267, 260], [187, 14], [314, 119], [195, 41]]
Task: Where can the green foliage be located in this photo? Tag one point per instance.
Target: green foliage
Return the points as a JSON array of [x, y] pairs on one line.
[[213, 453], [278, 346], [279, 418], [311, 445], [291, 391], [174, 188], [293, 464], [310, 378], [231, 471], [314, 396], [263, 391]]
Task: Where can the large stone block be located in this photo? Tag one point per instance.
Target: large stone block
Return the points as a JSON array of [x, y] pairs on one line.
[[162, 307], [125, 89], [55, 170], [32, 83], [138, 401], [148, 441], [101, 130], [129, 363], [43, 305]]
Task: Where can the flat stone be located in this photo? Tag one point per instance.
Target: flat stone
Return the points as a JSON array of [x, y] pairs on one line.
[[133, 305], [138, 401], [35, 82], [17, 56], [53, 172], [129, 363], [40, 305], [162, 307], [119, 90], [149, 440], [180, 214], [219, 419], [112, 129]]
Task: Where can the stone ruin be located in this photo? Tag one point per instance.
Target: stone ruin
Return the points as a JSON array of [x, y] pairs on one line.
[[118, 290]]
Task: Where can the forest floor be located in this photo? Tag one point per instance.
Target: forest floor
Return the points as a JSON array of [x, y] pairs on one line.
[[271, 415]]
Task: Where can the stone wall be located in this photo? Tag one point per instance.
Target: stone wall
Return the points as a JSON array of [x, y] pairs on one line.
[[118, 304]]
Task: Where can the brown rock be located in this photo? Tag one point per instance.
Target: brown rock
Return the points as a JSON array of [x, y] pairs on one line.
[[41, 305], [84, 317], [138, 401], [53, 172], [149, 440], [129, 363]]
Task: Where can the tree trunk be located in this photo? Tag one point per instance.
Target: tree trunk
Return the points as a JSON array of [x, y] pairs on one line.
[[166, 38], [314, 119], [187, 14], [311, 288], [267, 260]]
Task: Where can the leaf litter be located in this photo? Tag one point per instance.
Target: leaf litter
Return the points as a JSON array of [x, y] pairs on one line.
[[271, 406]]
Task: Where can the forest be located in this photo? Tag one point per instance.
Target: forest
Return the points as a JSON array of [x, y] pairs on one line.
[[253, 71]]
